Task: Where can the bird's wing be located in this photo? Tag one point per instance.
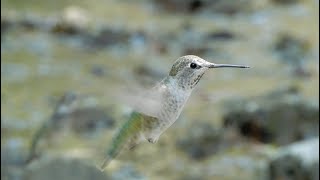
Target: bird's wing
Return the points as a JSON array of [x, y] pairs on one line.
[[148, 102]]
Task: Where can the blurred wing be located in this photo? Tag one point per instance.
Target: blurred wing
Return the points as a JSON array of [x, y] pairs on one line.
[[147, 102]]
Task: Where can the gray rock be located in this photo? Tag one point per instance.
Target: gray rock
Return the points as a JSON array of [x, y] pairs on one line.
[[83, 121], [222, 35], [201, 51], [148, 75], [181, 6], [90, 120], [12, 152], [280, 117], [12, 159], [127, 173], [291, 48], [285, 2], [5, 24], [65, 28], [107, 37], [14, 72], [86, 120], [296, 161], [68, 118], [98, 70], [200, 141], [245, 164], [292, 51], [64, 169], [219, 6]]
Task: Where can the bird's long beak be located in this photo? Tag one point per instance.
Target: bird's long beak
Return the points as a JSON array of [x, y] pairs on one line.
[[213, 65]]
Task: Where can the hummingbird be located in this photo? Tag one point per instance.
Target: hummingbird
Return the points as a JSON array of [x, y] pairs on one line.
[[172, 93]]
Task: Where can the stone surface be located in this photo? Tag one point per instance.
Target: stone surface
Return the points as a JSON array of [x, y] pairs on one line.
[[91, 119], [219, 6], [63, 168], [200, 141], [264, 118], [297, 161]]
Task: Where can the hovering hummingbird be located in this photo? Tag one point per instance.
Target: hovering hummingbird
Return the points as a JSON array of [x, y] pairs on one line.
[[170, 95]]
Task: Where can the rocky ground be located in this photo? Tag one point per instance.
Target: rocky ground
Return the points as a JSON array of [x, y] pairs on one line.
[[260, 123]]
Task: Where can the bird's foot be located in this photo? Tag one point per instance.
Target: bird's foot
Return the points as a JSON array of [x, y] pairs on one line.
[[152, 140], [132, 146]]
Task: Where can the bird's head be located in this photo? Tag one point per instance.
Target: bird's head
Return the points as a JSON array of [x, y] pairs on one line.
[[188, 70]]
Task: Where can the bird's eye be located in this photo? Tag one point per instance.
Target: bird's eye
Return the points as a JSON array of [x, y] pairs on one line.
[[193, 65]]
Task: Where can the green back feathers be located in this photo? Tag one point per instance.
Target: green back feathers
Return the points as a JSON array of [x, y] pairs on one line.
[[127, 135]]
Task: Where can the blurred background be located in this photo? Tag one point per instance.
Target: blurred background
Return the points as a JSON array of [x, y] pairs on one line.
[[63, 61]]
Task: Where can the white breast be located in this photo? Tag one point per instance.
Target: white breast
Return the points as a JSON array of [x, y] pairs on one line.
[[173, 102]]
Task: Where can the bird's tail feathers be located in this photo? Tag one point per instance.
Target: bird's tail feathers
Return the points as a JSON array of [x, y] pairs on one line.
[[105, 163]]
